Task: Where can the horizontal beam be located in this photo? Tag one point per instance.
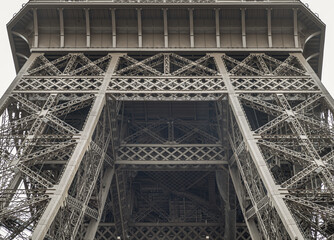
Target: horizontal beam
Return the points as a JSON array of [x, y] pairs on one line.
[[160, 49], [171, 145], [174, 168], [124, 162], [169, 224], [170, 5]]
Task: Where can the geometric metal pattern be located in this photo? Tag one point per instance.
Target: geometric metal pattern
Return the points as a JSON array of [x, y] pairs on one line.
[[186, 122], [180, 232], [166, 77], [285, 113], [40, 133], [286, 126]]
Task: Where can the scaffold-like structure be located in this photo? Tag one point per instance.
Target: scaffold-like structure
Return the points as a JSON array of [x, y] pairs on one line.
[[166, 119]]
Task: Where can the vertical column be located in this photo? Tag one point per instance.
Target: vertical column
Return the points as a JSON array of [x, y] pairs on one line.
[[223, 185], [60, 191], [165, 16], [243, 27], [272, 190], [270, 39], [217, 27], [140, 30], [35, 28], [166, 64], [61, 26], [191, 24], [295, 27], [87, 27], [113, 27]]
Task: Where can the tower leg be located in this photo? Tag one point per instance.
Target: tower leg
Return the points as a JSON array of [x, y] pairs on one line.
[[266, 200], [60, 191]]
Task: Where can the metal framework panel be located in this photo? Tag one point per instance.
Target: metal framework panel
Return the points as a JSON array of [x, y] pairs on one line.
[[90, 147], [180, 136]]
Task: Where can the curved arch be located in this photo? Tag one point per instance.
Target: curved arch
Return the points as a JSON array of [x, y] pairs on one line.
[[21, 36], [312, 36], [22, 56], [312, 56]]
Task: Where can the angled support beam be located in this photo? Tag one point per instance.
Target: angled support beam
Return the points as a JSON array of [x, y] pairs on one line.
[[191, 25], [140, 28], [4, 99], [243, 27], [106, 183], [165, 15], [295, 27], [270, 38], [217, 10], [87, 27], [60, 192], [61, 26], [238, 186], [315, 77], [113, 27], [35, 28], [16, 180], [274, 193]]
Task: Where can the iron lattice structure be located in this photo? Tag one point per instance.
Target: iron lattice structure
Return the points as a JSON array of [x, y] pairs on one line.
[[166, 144]]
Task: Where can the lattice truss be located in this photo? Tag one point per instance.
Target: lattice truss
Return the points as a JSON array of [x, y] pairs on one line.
[[168, 141], [64, 126], [295, 136], [72, 72], [167, 77], [168, 204], [106, 232], [42, 124], [168, 138]]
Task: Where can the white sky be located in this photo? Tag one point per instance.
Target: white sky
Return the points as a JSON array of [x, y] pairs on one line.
[[323, 7]]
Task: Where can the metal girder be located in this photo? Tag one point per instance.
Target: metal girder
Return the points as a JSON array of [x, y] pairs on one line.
[[141, 64], [299, 161], [279, 208], [65, 128], [94, 223], [176, 153], [64, 184]]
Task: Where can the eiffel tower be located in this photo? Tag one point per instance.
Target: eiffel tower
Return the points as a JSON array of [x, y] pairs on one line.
[[166, 119]]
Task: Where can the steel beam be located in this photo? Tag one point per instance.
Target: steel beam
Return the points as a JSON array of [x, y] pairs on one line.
[[87, 27], [315, 77], [59, 194], [61, 27], [35, 27], [106, 184], [239, 189], [243, 27], [113, 27], [217, 19], [295, 27], [140, 29], [270, 37], [165, 16], [191, 27], [274, 193]]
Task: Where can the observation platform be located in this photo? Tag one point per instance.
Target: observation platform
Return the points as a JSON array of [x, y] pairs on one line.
[[162, 26]]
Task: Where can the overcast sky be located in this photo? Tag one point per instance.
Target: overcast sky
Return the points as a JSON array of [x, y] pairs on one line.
[[322, 7]]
